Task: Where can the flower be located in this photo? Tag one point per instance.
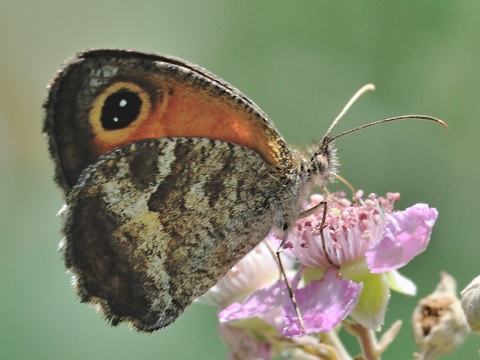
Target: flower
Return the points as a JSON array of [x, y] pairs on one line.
[[250, 338], [255, 334], [348, 260], [367, 242]]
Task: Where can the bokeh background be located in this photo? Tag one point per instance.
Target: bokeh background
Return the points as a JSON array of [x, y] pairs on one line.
[[300, 61]]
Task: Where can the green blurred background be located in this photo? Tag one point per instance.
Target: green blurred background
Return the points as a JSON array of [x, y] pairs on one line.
[[300, 61]]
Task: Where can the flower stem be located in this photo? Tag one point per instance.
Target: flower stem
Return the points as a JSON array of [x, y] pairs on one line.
[[332, 338], [366, 339]]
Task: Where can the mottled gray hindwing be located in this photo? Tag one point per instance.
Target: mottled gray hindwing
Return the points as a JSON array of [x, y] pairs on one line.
[[154, 224]]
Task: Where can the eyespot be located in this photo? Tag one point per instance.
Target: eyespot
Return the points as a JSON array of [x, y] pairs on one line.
[[118, 106], [120, 109], [118, 112]]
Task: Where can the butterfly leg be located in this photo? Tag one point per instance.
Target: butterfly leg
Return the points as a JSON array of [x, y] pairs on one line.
[[289, 286]]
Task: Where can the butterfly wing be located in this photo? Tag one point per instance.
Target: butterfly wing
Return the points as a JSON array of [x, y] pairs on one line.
[[162, 96], [154, 224]]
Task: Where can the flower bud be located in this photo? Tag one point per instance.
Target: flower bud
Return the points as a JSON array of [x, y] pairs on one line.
[[471, 303]]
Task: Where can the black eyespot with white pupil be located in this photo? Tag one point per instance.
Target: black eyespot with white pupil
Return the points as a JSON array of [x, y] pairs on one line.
[[120, 109]]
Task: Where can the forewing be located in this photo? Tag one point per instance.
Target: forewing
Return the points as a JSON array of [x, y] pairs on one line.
[[154, 224], [175, 99]]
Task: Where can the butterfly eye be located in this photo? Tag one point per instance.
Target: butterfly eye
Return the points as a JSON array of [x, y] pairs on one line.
[[120, 109]]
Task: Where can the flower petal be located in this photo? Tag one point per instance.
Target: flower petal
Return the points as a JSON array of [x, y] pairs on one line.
[[322, 304], [406, 235], [256, 304]]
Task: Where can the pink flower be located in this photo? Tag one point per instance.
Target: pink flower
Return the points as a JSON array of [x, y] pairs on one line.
[[366, 241], [348, 263], [251, 337]]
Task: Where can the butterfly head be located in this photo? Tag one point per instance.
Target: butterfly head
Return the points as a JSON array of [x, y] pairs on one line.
[[321, 162]]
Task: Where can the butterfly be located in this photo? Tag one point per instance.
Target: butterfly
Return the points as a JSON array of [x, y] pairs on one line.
[[170, 176]]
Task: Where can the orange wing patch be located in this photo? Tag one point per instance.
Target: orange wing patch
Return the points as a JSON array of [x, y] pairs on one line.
[[182, 110]]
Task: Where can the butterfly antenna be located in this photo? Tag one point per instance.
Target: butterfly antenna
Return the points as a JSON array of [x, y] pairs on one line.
[[363, 90], [396, 118]]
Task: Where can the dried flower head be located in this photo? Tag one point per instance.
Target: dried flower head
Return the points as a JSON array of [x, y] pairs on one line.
[[439, 325]]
